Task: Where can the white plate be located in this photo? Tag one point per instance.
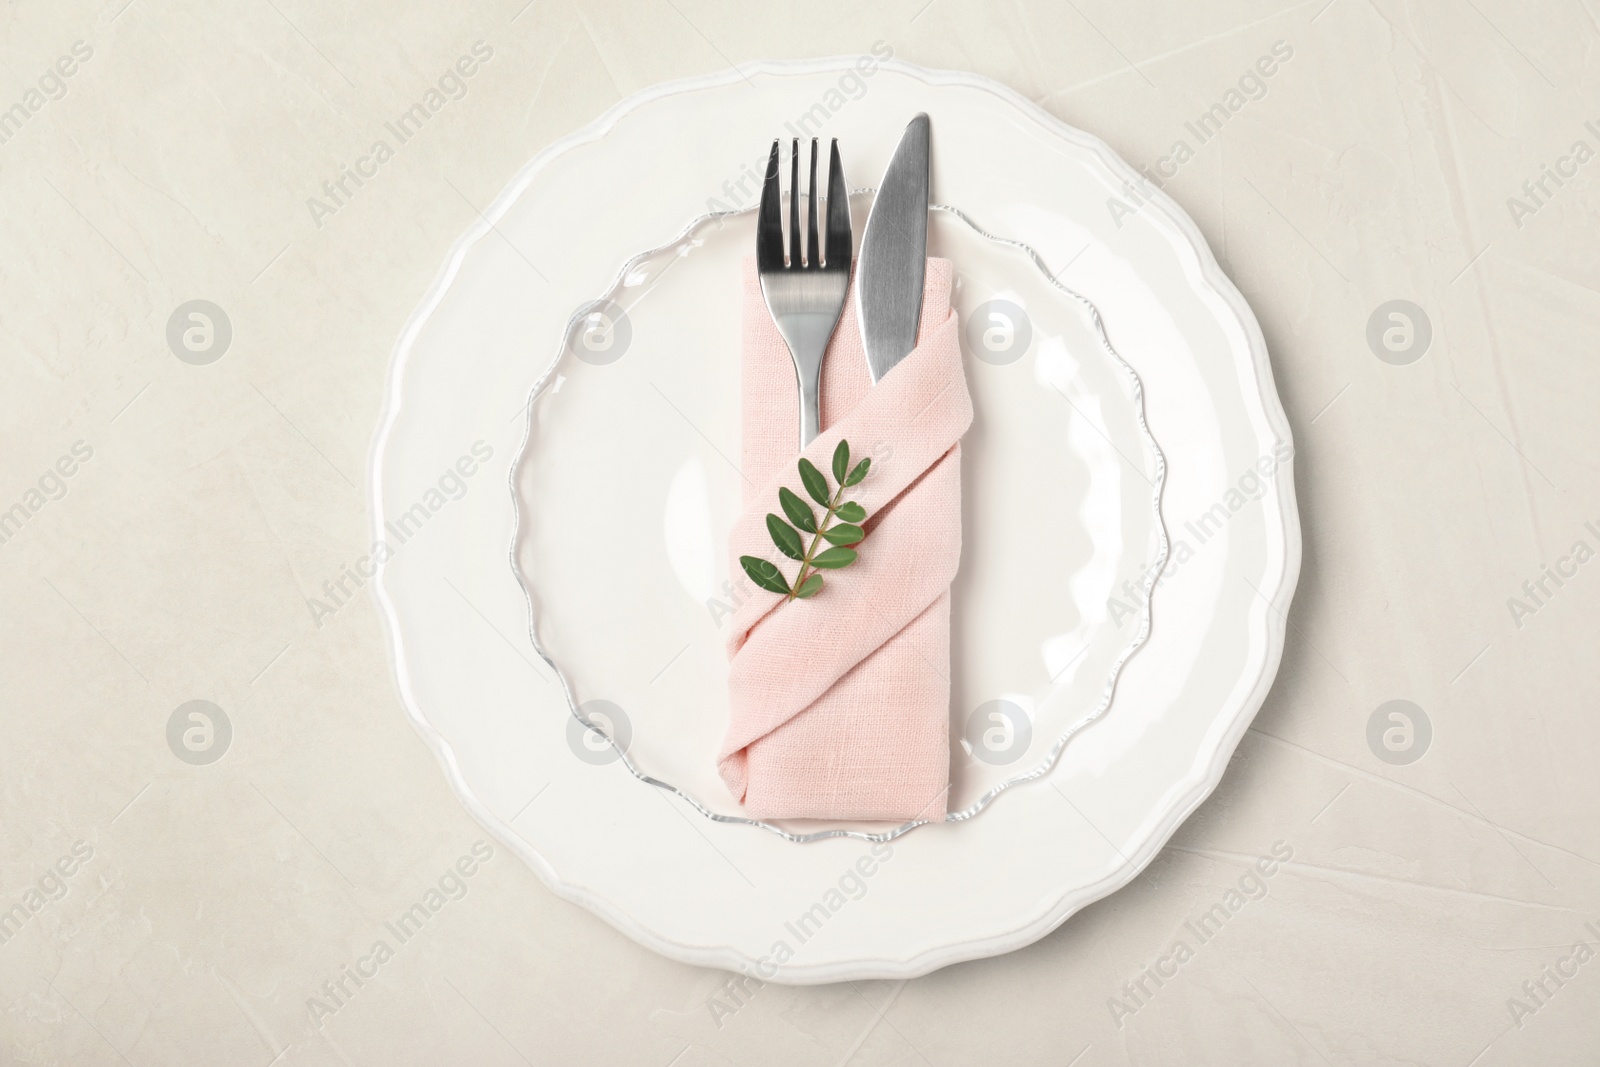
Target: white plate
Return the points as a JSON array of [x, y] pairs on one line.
[[636, 431], [732, 895]]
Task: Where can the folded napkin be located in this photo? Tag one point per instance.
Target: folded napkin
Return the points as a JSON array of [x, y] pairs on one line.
[[840, 704]]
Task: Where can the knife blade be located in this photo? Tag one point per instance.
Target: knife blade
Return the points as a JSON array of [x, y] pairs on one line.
[[894, 253]]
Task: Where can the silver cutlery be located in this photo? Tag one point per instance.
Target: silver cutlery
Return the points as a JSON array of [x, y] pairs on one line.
[[805, 292], [894, 252]]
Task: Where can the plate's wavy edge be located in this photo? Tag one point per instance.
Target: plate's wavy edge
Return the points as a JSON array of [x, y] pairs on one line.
[[1273, 617]]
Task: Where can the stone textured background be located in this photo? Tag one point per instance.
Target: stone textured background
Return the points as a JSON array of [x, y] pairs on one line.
[[175, 164]]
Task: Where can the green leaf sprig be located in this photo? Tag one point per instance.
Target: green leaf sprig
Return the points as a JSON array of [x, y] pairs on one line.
[[840, 528]]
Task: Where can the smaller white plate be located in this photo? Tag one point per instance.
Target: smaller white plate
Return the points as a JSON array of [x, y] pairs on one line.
[[628, 486]]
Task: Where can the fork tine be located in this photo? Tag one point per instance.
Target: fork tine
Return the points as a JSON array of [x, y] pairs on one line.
[[794, 204], [813, 248], [769, 219], [839, 246]]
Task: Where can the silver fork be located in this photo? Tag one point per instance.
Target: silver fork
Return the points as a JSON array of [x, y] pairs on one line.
[[804, 296]]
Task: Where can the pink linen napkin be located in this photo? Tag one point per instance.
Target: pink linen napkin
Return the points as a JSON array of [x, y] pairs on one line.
[[839, 705]]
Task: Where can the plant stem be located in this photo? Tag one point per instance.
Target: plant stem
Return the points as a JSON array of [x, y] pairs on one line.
[[816, 539]]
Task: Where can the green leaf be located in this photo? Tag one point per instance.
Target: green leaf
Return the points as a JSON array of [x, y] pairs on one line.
[[850, 511], [844, 534], [810, 587], [798, 510], [834, 558], [860, 472], [765, 574], [785, 537], [816, 484], [841, 461]]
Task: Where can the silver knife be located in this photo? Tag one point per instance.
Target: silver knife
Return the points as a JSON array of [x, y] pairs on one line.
[[894, 253]]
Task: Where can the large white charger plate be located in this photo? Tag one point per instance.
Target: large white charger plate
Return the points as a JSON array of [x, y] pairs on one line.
[[731, 895]]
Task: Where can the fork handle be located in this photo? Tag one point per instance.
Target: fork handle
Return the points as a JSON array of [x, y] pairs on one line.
[[807, 336], [810, 408]]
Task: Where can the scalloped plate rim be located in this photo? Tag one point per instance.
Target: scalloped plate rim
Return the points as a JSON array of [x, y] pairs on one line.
[[1272, 613]]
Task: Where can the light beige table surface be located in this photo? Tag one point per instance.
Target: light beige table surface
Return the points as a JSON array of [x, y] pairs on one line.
[[166, 912]]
